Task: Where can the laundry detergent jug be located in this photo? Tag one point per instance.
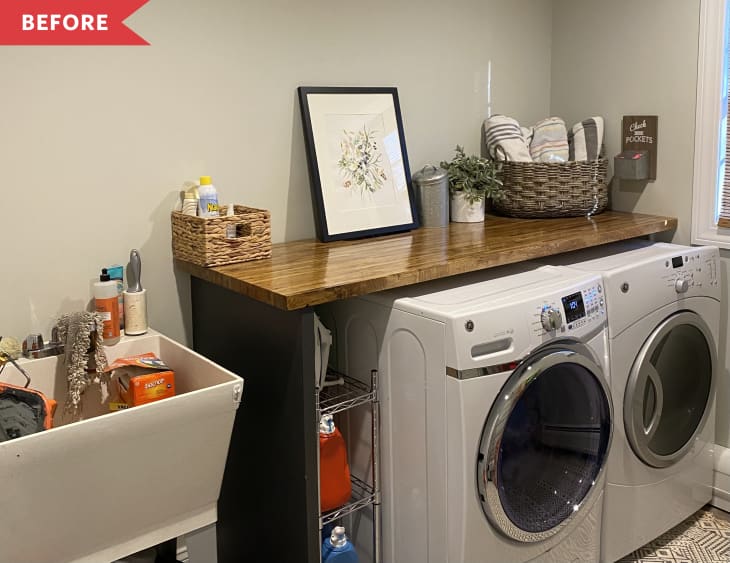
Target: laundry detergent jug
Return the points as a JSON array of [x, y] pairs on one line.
[[338, 549], [335, 488]]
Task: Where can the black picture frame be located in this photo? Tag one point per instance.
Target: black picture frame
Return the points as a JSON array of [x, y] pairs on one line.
[[357, 160]]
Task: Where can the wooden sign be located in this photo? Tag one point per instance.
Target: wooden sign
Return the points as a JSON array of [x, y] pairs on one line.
[[639, 133]]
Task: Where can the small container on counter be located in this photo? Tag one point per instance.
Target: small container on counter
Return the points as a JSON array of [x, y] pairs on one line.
[[432, 196]]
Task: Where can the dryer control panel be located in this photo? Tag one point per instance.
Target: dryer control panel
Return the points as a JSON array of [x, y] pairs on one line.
[[576, 312], [691, 271], [669, 275]]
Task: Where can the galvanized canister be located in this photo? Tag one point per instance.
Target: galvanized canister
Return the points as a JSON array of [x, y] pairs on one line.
[[432, 196]]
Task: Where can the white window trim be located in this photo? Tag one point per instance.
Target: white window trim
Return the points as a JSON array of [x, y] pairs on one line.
[[707, 128]]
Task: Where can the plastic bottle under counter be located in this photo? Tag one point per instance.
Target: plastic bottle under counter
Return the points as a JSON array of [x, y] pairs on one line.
[[335, 487]]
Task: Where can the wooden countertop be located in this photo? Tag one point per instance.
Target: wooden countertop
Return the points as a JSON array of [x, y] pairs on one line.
[[307, 272]]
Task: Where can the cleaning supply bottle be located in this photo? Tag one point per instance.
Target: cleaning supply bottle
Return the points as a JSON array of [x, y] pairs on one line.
[[106, 301], [338, 549], [116, 273], [208, 198], [135, 298], [191, 201], [335, 487]]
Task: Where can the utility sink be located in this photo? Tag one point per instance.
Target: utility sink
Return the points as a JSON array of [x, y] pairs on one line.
[[114, 483]]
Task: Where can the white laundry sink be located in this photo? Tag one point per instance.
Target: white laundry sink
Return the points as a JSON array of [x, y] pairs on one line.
[[114, 483]]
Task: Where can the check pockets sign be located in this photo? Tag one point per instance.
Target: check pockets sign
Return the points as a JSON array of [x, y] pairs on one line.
[[68, 22]]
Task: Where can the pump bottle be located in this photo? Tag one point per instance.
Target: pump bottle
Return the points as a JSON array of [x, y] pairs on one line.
[[106, 301]]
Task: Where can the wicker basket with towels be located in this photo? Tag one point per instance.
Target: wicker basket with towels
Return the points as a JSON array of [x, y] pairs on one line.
[[548, 170]]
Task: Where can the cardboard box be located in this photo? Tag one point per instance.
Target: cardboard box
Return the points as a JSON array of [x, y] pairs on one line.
[[142, 379]]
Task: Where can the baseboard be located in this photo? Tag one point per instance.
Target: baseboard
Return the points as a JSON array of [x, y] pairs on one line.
[[721, 489]]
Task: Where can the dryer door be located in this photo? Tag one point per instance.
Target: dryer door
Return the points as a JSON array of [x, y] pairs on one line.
[[545, 444], [669, 389]]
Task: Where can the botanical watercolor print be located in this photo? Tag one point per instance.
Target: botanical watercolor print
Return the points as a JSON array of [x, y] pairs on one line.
[[361, 162]]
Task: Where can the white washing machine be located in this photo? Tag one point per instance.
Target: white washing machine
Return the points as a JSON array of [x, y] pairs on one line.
[[663, 305], [496, 415]]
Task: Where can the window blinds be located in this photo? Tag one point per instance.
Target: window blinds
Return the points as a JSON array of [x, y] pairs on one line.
[[723, 220], [724, 207]]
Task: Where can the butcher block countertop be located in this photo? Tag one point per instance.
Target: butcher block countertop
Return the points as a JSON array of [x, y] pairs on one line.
[[307, 272]]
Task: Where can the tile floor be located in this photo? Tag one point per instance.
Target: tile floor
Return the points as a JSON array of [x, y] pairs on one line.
[[702, 538]]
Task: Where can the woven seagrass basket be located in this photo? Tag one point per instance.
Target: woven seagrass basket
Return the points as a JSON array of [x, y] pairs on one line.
[[216, 241], [553, 189]]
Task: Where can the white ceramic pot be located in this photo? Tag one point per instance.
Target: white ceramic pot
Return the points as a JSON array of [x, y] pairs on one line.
[[464, 212]]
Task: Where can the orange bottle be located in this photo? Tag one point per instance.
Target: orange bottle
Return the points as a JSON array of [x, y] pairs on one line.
[[335, 488], [106, 299]]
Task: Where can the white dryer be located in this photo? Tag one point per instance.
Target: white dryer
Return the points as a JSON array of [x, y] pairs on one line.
[[663, 305], [496, 415]]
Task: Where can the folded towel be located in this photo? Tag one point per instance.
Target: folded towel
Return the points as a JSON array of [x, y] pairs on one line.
[[527, 133], [504, 139], [585, 139], [80, 332], [549, 141]]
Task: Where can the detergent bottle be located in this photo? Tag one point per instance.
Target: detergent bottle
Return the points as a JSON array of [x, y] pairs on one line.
[[335, 488], [338, 549]]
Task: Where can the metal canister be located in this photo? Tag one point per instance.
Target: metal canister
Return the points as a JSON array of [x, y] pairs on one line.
[[432, 196]]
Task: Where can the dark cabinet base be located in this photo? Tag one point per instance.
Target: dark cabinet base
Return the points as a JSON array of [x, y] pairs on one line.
[[268, 507]]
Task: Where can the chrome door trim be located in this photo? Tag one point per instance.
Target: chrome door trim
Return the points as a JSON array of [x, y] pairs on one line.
[[636, 433], [525, 374]]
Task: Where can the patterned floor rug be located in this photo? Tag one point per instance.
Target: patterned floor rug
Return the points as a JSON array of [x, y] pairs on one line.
[[702, 538]]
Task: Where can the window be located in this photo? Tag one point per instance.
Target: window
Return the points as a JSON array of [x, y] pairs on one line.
[[711, 189]]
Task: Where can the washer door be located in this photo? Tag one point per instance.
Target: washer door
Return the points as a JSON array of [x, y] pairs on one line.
[[545, 443], [669, 389]]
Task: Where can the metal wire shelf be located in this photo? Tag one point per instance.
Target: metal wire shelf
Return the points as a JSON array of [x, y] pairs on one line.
[[343, 393], [362, 495], [340, 397]]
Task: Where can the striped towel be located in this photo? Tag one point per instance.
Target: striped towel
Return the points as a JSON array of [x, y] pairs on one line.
[[504, 139], [527, 133], [585, 139], [549, 141]]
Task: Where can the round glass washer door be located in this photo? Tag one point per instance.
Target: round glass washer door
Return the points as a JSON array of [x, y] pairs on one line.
[[669, 389], [545, 444]]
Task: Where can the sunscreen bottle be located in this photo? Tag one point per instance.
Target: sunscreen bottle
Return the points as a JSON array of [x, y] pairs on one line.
[[106, 301]]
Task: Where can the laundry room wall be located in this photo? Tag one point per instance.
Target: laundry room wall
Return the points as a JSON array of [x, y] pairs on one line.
[[98, 140], [640, 58]]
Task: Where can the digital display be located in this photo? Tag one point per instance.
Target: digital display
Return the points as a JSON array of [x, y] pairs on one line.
[[677, 262], [574, 308]]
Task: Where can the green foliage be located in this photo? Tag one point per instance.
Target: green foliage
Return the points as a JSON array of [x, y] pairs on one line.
[[475, 176]]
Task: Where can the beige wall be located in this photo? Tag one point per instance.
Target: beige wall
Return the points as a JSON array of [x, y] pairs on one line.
[[97, 140], [634, 58]]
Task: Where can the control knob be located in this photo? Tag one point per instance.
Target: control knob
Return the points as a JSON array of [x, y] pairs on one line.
[[551, 318], [681, 285]]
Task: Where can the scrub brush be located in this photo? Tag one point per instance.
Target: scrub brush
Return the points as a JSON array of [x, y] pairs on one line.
[[9, 347], [9, 352]]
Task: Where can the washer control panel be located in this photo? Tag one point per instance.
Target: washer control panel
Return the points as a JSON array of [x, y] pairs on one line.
[[576, 311]]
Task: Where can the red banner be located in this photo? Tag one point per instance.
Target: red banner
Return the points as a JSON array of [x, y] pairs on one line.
[[68, 22]]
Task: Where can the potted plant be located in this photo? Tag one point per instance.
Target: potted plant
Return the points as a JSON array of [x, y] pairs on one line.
[[472, 180]]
